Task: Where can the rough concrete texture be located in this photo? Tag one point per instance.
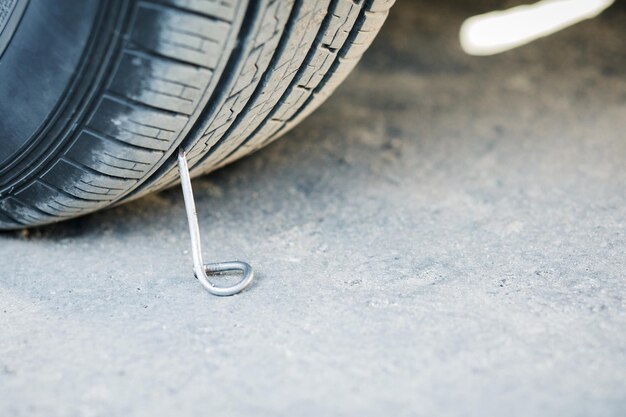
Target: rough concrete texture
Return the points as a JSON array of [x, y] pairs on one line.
[[445, 236]]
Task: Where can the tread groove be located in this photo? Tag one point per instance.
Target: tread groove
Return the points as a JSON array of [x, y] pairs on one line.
[[169, 6], [83, 167], [133, 102]]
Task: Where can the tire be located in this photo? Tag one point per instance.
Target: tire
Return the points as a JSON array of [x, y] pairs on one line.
[[97, 96]]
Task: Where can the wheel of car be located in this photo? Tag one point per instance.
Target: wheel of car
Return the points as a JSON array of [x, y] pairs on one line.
[[97, 95]]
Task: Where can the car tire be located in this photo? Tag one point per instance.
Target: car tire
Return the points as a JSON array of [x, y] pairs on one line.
[[97, 96]]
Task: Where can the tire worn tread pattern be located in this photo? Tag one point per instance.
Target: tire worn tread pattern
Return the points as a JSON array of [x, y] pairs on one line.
[[220, 77]]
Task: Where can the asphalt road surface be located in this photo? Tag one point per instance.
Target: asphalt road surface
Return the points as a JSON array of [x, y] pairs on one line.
[[445, 236]]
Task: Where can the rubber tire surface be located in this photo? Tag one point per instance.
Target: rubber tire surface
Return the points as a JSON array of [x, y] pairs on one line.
[[221, 78]]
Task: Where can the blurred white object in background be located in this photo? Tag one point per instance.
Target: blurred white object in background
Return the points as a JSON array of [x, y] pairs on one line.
[[499, 31]]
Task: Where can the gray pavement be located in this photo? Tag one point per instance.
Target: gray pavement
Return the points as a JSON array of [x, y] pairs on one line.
[[445, 236]]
